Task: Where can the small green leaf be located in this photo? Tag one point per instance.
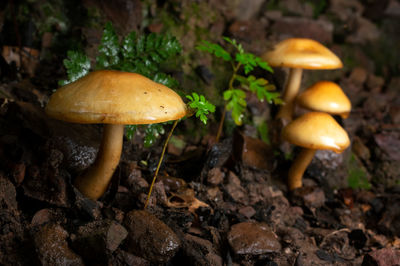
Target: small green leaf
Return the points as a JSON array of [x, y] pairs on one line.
[[200, 106], [77, 65]]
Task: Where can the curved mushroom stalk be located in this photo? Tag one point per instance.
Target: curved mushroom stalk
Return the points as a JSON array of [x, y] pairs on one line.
[[94, 182], [299, 166], [292, 89]]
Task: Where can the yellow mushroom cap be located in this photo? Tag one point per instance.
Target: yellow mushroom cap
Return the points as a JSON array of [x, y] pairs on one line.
[[318, 131], [302, 53], [115, 97], [325, 96]]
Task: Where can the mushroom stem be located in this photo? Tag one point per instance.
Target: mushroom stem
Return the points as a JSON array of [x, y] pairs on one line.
[[290, 93], [298, 167], [94, 182]]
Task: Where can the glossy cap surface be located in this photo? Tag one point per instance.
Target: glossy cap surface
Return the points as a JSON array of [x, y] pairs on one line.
[[302, 53], [325, 96], [318, 131], [115, 97]]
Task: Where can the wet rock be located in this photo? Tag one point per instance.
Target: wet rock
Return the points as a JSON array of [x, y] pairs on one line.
[[390, 220], [52, 247], [247, 211], [375, 83], [199, 252], [389, 142], [360, 149], [346, 9], [250, 238], [235, 190], [149, 237], [47, 183], [297, 7], [215, 176], [95, 241], [86, 206], [358, 76], [134, 180], [311, 197], [329, 168], [127, 258], [44, 216], [8, 195], [247, 30], [247, 9], [78, 154], [338, 244], [365, 31], [253, 152], [382, 257], [319, 30], [393, 8], [218, 156]]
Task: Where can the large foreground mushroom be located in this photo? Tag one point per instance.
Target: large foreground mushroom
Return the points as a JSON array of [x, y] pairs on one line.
[[115, 99], [312, 131], [298, 54]]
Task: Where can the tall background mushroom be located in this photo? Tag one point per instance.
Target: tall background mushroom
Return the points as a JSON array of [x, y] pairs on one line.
[[115, 99], [298, 54]]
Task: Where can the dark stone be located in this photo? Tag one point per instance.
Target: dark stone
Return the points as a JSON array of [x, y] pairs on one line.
[[149, 237]]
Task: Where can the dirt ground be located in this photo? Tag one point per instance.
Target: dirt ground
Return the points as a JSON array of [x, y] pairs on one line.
[[223, 203]]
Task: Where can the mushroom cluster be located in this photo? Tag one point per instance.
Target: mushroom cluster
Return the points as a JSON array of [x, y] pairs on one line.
[[113, 98], [315, 130]]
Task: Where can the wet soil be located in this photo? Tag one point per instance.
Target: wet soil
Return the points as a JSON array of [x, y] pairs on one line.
[[213, 203]]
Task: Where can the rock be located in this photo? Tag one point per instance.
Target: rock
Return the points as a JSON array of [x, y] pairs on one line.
[[127, 258], [346, 9], [319, 30], [52, 247], [247, 211], [394, 112], [235, 190], [215, 176], [253, 152], [360, 149], [393, 8], [249, 238], [365, 31], [247, 9], [382, 257], [358, 76], [247, 30], [311, 197], [200, 252], [389, 223], [8, 195], [149, 237], [95, 241], [375, 83], [297, 7], [389, 142]]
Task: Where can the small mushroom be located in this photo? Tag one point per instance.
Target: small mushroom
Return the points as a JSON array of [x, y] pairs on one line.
[[312, 131], [298, 54], [113, 98], [325, 96]]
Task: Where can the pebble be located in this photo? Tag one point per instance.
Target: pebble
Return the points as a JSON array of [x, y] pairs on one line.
[[249, 238], [52, 246], [149, 237]]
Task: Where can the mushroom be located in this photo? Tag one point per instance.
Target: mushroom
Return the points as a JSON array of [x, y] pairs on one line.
[[113, 98], [325, 96], [312, 131], [298, 54]]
